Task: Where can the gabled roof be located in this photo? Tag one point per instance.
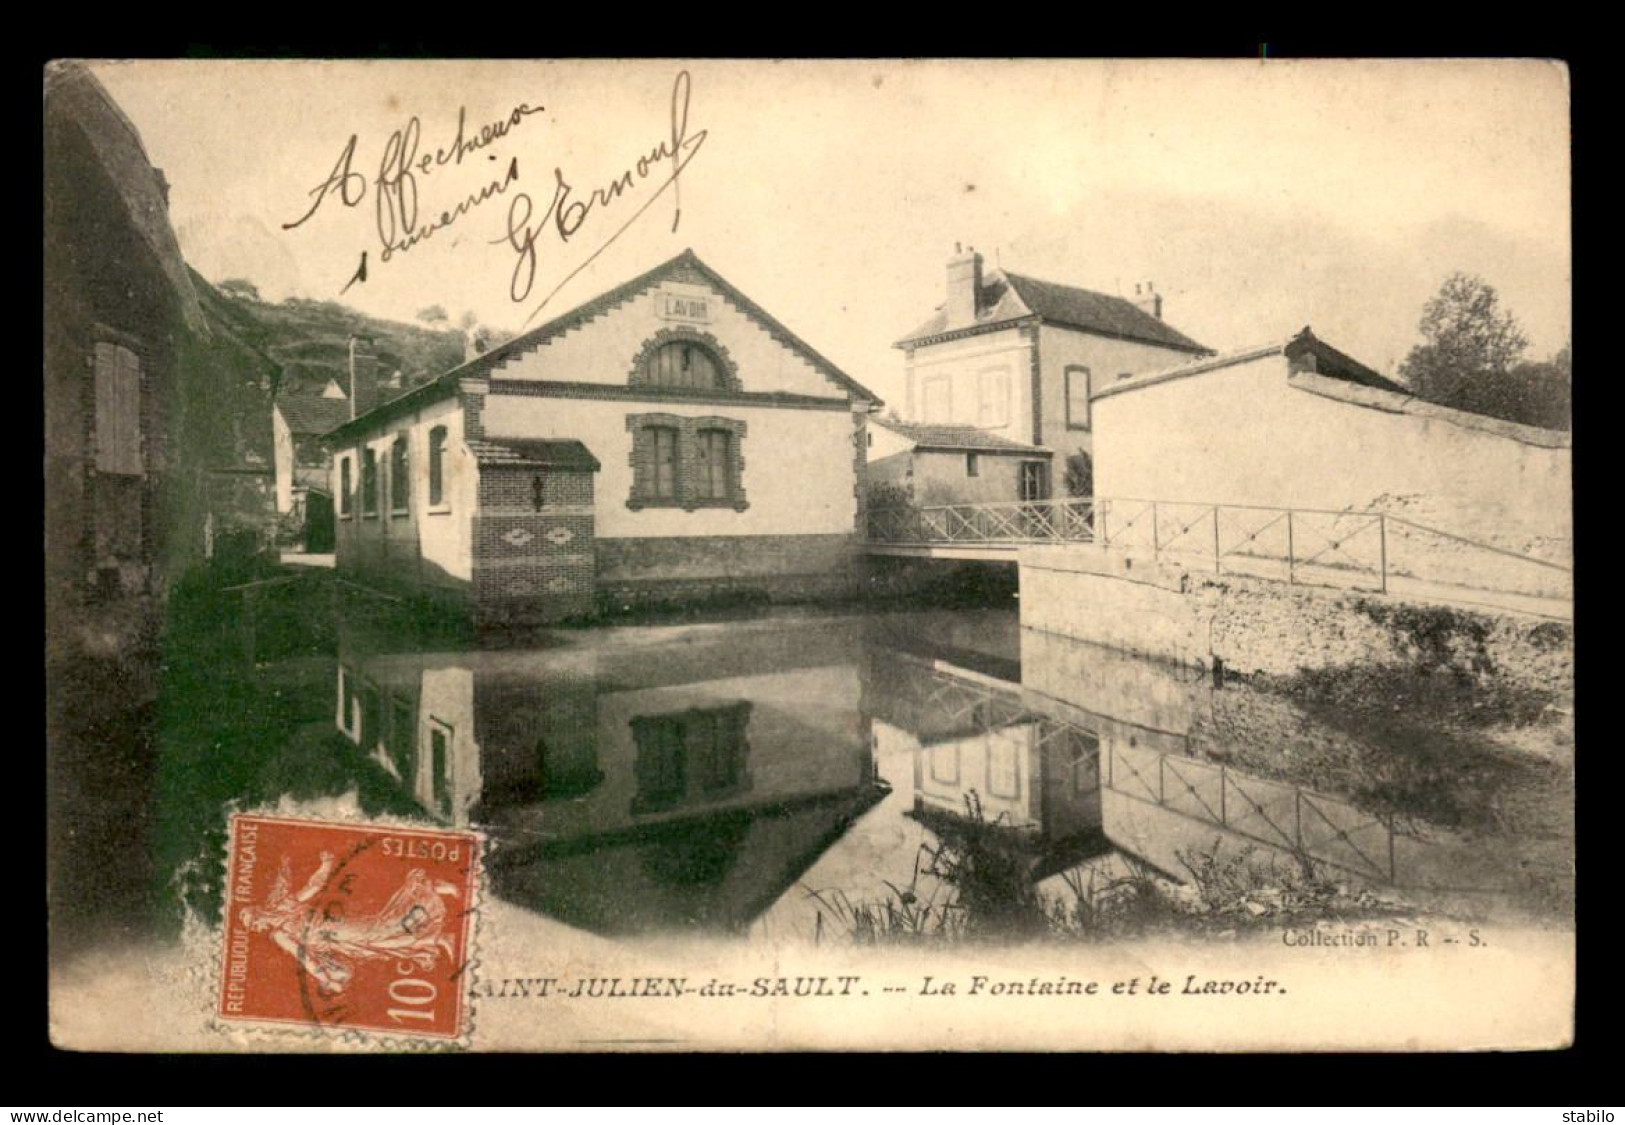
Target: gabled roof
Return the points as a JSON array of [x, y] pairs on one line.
[[935, 436], [313, 414], [538, 454], [484, 365], [1007, 297], [1327, 361]]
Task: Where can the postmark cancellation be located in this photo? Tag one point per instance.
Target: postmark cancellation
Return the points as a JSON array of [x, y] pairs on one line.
[[336, 927]]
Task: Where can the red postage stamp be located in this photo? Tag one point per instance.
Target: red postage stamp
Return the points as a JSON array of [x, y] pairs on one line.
[[348, 926]]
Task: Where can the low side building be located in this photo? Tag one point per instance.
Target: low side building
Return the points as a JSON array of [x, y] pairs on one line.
[[667, 440], [927, 465], [304, 497]]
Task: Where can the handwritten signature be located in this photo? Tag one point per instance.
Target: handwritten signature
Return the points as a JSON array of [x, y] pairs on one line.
[[396, 191], [396, 194], [566, 216]]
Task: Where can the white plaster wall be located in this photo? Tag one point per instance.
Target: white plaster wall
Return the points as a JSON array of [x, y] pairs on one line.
[[445, 532], [1242, 435], [282, 459], [997, 765], [886, 442], [962, 363], [1060, 348], [603, 349], [798, 476], [446, 699]]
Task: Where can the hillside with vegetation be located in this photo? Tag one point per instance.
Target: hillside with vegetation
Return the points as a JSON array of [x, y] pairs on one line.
[[309, 341]]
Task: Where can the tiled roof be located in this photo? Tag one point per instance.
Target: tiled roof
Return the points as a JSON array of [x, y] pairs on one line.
[[1007, 296], [934, 436], [543, 454], [313, 414], [1328, 362]]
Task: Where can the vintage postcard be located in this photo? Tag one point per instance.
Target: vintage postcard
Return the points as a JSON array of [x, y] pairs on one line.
[[663, 555]]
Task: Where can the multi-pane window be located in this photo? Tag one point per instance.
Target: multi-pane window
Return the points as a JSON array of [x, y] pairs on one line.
[[683, 364], [1077, 398], [437, 466], [400, 477], [118, 410], [369, 482]]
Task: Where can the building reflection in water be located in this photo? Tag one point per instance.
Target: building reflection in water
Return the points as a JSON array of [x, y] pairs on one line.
[[634, 784], [630, 788]]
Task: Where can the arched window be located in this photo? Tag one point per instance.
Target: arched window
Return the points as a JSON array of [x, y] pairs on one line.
[[684, 363], [400, 480], [369, 482], [437, 465]]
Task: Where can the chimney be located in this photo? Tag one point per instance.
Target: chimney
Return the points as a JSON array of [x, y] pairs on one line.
[[363, 376], [964, 283], [1147, 298]]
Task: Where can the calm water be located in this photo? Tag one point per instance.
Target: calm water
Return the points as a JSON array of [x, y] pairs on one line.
[[807, 775]]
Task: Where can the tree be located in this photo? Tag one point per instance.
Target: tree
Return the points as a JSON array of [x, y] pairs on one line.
[[1080, 475], [434, 314], [1469, 358]]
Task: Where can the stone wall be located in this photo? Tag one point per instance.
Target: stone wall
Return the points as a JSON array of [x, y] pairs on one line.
[[1249, 626], [671, 568]]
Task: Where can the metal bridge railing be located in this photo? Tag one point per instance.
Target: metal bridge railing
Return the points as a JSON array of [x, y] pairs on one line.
[[1019, 521], [1300, 546]]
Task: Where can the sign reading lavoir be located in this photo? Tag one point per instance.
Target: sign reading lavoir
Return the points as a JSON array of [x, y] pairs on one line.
[[685, 307]]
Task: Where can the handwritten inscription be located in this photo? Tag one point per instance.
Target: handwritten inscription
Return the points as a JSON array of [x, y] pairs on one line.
[[407, 168], [396, 188], [567, 213]]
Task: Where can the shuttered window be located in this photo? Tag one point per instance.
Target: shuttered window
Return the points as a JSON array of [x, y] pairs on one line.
[[665, 462], [688, 463], [683, 364], [118, 410], [714, 464]]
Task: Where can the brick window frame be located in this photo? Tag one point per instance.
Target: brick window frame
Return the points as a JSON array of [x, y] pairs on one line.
[[642, 373], [690, 488]]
